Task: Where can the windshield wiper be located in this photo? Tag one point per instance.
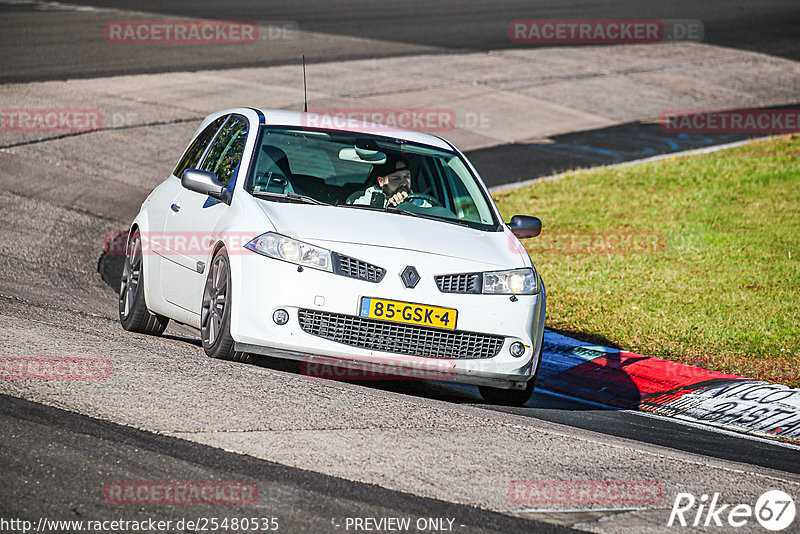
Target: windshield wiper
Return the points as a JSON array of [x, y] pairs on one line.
[[442, 219], [294, 197], [390, 209], [387, 209]]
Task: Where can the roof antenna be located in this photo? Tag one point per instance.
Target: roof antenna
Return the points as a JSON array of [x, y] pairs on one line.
[[305, 92]]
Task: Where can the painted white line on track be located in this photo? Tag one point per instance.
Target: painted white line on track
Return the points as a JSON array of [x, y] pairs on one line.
[[56, 6], [571, 510]]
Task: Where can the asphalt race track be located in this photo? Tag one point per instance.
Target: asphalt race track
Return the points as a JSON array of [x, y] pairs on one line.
[[319, 451], [304, 501], [37, 45]]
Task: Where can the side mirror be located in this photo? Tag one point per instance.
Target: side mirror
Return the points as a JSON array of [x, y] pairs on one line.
[[525, 226], [205, 183]]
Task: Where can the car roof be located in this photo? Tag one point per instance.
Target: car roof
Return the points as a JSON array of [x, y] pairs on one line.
[[282, 117]]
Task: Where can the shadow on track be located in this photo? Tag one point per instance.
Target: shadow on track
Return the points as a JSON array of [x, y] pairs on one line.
[[110, 268]]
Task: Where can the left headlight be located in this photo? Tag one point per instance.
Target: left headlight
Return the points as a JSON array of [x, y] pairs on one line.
[[513, 282], [285, 248]]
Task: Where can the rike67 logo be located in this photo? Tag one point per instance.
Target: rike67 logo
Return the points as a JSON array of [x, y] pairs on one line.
[[774, 510]]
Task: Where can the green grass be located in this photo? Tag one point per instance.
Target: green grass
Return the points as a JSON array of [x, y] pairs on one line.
[[694, 259]]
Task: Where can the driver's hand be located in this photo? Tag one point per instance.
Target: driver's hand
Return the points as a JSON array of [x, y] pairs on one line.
[[397, 198]]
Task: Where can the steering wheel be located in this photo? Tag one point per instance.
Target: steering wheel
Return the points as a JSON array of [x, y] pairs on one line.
[[420, 196]]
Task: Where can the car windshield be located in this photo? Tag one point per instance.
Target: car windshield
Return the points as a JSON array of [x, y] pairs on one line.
[[345, 168]]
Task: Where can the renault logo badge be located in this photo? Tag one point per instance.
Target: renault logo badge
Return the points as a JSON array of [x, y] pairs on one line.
[[410, 277]]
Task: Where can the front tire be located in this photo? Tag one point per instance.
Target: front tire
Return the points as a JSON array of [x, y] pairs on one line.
[[215, 312], [514, 397], [133, 313], [508, 397]]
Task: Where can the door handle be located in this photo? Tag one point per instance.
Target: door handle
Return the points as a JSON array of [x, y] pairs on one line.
[[175, 207]]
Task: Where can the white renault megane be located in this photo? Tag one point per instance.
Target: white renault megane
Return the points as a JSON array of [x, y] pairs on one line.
[[357, 244]]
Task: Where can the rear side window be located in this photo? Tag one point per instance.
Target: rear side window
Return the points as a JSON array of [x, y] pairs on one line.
[[191, 158], [226, 153]]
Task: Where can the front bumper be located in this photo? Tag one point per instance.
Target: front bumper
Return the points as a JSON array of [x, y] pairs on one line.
[[262, 285]]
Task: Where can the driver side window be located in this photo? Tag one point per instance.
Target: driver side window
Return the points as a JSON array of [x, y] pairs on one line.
[[226, 153], [191, 159]]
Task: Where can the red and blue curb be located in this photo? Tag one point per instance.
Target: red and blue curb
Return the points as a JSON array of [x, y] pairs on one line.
[[621, 379]]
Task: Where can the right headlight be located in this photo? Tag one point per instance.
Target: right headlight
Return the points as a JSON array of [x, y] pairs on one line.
[[513, 282], [285, 248]]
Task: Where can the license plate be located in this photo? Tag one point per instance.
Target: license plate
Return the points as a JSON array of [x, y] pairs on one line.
[[407, 312]]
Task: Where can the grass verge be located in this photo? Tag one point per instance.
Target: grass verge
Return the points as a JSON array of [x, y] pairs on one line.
[[694, 259]]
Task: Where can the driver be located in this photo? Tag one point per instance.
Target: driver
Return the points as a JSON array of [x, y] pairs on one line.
[[395, 186]]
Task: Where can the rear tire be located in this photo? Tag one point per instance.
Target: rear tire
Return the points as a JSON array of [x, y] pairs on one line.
[[133, 313], [215, 312]]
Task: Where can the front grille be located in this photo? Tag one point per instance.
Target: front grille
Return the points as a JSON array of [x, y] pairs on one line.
[[399, 338], [459, 283], [347, 266]]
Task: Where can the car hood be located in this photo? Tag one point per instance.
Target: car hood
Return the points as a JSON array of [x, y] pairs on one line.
[[330, 224]]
